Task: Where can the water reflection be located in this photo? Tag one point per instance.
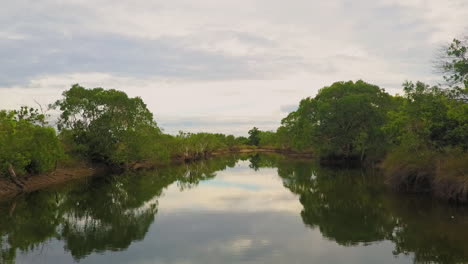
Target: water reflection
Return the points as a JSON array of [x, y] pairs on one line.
[[105, 213], [206, 213], [352, 206]]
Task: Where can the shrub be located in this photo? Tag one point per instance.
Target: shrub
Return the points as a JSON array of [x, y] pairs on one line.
[[26, 143]]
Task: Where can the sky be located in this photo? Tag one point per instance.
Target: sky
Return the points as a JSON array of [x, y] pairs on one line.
[[219, 65]]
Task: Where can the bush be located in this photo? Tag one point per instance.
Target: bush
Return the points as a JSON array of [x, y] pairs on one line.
[[26, 143], [451, 178], [443, 174]]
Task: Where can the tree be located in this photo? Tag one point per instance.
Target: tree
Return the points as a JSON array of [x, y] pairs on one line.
[[107, 125], [429, 132], [454, 63], [254, 136], [342, 121], [428, 117], [429, 135], [296, 130], [242, 140], [268, 139]]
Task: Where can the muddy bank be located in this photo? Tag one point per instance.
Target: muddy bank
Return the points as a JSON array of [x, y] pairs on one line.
[[61, 175]]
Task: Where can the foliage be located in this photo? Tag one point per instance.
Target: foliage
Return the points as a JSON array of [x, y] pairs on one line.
[[107, 125], [429, 132], [26, 143], [454, 63], [254, 136], [428, 117], [268, 139], [200, 145], [426, 130], [241, 141], [343, 120]]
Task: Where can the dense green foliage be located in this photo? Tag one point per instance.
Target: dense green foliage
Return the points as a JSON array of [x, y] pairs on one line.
[[268, 139], [107, 125], [26, 144], [429, 116], [429, 132], [254, 136], [342, 121]]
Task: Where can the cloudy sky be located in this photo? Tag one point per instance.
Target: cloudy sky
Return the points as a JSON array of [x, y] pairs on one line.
[[219, 65]]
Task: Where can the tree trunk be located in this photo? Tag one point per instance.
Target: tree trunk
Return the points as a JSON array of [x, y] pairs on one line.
[[362, 154], [13, 177]]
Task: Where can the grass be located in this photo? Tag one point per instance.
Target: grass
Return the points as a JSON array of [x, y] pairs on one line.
[[443, 174]]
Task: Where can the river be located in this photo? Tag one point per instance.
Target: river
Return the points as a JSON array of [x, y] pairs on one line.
[[263, 208]]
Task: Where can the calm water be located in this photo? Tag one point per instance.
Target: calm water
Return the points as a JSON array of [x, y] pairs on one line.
[[235, 209]]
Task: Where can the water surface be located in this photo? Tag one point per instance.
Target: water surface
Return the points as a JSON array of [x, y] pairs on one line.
[[233, 209]]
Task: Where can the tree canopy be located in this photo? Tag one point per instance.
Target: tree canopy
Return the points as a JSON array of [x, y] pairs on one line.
[[454, 63], [342, 120], [254, 136], [107, 125]]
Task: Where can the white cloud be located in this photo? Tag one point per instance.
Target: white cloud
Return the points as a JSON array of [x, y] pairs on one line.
[[235, 191], [219, 60]]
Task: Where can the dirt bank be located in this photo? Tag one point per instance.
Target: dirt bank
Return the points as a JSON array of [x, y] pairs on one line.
[[36, 182]]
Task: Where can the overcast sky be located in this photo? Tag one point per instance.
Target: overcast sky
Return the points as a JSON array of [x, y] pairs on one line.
[[219, 65]]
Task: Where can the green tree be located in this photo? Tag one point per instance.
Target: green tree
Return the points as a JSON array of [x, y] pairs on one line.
[[268, 139], [254, 136], [296, 129], [454, 63], [242, 140], [429, 132], [343, 121], [428, 116], [107, 125]]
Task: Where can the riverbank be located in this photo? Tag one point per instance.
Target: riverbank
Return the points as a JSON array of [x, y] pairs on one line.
[[443, 175], [83, 169], [61, 175], [452, 189]]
